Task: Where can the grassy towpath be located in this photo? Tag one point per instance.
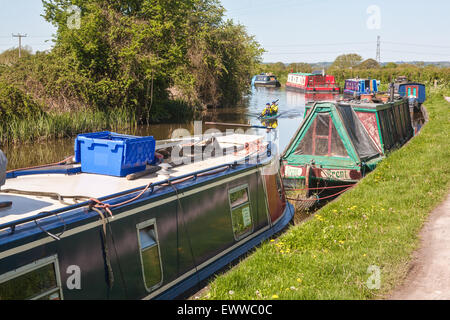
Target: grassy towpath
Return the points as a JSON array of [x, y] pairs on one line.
[[429, 275], [359, 246]]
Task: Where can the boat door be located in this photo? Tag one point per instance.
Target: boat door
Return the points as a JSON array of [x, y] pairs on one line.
[[412, 91]]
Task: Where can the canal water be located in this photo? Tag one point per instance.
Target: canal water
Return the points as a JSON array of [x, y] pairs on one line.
[[291, 110]]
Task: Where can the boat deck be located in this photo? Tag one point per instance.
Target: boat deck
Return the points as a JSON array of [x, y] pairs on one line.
[[85, 185]]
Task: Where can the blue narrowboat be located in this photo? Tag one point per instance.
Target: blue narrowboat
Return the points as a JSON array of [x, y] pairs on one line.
[[265, 80], [415, 92], [357, 87], [155, 234]]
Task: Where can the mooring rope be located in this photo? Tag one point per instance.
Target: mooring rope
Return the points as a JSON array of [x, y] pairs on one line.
[[43, 165]]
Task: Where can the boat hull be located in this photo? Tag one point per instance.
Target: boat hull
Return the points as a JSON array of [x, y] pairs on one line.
[[303, 89], [271, 84]]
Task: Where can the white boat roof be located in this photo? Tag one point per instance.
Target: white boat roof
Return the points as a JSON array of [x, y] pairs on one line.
[[97, 186]]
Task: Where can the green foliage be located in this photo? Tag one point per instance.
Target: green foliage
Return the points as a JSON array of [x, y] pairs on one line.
[[368, 64], [150, 57], [16, 104], [11, 56], [346, 61], [300, 67]]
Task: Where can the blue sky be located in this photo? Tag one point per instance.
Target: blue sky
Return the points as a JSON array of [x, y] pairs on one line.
[[297, 30]]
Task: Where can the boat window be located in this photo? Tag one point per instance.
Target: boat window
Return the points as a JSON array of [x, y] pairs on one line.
[[322, 139], [241, 217], [37, 281], [337, 146], [150, 255]]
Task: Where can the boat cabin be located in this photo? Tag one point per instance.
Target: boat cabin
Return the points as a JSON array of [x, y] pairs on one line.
[[312, 82], [358, 87], [265, 80], [415, 92]]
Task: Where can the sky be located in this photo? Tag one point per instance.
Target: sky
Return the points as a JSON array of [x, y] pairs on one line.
[[296, 30]]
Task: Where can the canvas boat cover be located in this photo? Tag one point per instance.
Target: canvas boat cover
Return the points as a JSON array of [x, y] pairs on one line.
[[364, 145], [336, 131], [3, 163]]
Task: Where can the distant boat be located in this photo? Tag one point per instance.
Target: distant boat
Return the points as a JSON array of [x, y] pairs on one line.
[[357, 87], [415, 92], [265, 80], [316, 82]]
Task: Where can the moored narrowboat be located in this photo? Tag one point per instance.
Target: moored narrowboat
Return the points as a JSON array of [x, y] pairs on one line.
[[316, 82], [265, 80], [153, 234], [415, 92], [340, 142], [360, 88]]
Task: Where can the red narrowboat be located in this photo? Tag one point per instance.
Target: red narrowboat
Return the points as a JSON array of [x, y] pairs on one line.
[[312, 82]]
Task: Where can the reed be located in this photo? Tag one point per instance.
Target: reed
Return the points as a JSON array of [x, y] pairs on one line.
[[59, 125]]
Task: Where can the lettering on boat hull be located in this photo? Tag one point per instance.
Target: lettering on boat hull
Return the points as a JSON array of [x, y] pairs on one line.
[[335, 174]]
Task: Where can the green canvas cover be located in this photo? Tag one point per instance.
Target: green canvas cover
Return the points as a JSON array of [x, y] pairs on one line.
[[333, 136]]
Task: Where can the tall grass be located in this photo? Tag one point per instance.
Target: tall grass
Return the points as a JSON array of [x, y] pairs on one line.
[[60, 125], [373, 227]]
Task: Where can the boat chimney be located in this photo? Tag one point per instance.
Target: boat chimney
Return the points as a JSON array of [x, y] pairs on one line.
[[3, 163]]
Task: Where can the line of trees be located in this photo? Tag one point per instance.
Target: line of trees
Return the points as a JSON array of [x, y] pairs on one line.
[[352, 65]]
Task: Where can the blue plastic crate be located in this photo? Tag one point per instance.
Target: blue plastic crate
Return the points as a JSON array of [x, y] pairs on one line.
[[113, 154]]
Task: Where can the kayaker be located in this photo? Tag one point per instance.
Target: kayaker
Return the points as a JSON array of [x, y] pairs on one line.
[[274, 108], [267, 110]]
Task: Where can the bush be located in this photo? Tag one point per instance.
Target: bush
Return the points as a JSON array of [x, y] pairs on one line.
[[14, 103]]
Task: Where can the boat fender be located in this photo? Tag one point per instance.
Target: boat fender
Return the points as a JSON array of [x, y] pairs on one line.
[[3, 164]]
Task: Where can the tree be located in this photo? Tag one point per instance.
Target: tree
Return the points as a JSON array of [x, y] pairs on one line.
[[368, 64], [300, 67], [346, 61], [390, 65], [129, 54]]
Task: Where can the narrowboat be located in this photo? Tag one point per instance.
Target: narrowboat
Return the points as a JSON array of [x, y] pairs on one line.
[[339, 142], [75, 230], [415, 93], [265, 80], [360, 88], [316, 82]]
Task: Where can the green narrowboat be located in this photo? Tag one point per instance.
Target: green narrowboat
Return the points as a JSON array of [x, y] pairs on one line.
[[70, 234], [339, 142]]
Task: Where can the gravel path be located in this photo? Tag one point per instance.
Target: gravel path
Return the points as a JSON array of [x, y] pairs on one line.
[[429, 275]]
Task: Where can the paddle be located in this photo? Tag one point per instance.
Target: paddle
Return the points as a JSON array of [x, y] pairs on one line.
[[237, 125]]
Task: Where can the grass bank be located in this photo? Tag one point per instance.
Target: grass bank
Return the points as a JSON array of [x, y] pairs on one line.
[[375, 224]]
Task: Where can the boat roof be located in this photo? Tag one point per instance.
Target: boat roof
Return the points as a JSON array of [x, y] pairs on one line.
[[410, 83], [359, 79], [356, 140], [303, 74], [85, 186]]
